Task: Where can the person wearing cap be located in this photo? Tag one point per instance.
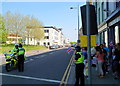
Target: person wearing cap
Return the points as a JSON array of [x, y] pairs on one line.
[[21, 58], [79, 69]]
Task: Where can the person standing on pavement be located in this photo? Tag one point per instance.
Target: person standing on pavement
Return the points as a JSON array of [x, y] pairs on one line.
[[116, 61], [79, 69], [21, 58], [107, 59], [105, 62], [100, 59]]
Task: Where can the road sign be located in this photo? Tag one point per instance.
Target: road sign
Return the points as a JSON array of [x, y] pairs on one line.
[[83, 40]]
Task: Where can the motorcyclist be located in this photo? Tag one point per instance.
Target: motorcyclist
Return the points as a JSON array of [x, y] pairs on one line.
[[15, 51]]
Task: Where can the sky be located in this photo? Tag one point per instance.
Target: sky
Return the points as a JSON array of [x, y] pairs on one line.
[[56, 14]]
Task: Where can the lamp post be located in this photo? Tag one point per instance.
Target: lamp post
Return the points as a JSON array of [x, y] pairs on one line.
[[78, 40]]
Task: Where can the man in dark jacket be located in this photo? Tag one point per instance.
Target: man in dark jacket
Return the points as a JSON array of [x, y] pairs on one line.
[[21, 58], [116, 61]]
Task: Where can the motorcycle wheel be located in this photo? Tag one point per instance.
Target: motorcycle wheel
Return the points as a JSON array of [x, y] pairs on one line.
[[8, 67]]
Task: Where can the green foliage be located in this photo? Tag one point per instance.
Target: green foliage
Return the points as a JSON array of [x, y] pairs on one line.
[[73, 42], [20, 40], [24, 26], [3, 33]]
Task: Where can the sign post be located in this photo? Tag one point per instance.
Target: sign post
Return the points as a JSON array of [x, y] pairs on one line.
[[89, 41]]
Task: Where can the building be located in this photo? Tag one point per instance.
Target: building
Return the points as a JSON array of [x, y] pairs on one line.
[[30, 41], [53, 36], [12, 38], [108, 20]]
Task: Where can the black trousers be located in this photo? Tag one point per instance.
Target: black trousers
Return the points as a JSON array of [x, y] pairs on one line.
[[79, 70], [21, 63]]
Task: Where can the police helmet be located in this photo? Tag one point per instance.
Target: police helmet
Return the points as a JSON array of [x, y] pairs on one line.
[[20, 45], [16, 44]]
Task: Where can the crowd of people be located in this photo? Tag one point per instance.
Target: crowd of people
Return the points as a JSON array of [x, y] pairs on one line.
[[107, 59], [104, 59]]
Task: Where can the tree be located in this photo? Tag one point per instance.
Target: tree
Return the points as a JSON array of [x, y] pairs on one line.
[[33, 28], [25, 26], [73, 42], [14, 24], [3, 32], [37, 29]]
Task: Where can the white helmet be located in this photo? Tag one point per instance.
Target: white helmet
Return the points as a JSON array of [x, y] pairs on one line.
[[16, 44]]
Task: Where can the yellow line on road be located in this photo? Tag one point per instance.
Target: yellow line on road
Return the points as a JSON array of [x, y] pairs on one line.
[[67, 72]]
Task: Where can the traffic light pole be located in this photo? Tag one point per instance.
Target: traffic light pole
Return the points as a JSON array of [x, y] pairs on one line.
[[89, 41]]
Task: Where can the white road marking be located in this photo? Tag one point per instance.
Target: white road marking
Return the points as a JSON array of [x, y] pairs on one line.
[[42, 55], [31, 59], [37, 57], [26, 61], [27, 77], [51, 53]]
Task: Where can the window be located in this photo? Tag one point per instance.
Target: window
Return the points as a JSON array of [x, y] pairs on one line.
[[116, 34], [99, 16], [46, 31], [44, 44], [48, 43], [102, 12], [46, 37], [117, 4], [106, 38]]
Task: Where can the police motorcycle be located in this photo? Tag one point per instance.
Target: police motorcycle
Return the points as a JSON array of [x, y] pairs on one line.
[[11, 61]]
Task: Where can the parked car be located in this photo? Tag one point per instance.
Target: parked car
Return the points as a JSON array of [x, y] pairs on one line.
[[53, 47]]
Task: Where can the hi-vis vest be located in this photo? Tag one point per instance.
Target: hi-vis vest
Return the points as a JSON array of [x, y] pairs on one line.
[[15, 51], [81, 59], [9, 54], [21, 51]]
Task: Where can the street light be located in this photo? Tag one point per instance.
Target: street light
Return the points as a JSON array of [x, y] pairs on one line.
[[78, 41]]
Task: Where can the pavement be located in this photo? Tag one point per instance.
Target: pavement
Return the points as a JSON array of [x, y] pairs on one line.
[[108, 80]]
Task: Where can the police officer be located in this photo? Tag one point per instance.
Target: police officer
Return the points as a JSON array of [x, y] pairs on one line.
[[15, 51], [15, 55], [79, 69], [21, 58]]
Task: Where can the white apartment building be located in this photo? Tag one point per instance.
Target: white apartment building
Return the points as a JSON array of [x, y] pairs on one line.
[[53, 36], [31, 41]]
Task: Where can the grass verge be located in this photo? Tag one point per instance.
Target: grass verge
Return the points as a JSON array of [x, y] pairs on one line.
[[6, 48]]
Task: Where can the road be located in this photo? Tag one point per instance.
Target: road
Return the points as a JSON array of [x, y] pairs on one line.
[[45, 68]]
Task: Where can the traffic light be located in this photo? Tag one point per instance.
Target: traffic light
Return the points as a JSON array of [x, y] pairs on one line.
[[93, 20]]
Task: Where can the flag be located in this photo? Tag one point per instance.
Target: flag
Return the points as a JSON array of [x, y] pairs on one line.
[[69, 50], [111, 43], [97, 44]]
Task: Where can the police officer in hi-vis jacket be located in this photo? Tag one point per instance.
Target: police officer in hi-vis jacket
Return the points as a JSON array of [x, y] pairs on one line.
[[79, 69], [21, 58]]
